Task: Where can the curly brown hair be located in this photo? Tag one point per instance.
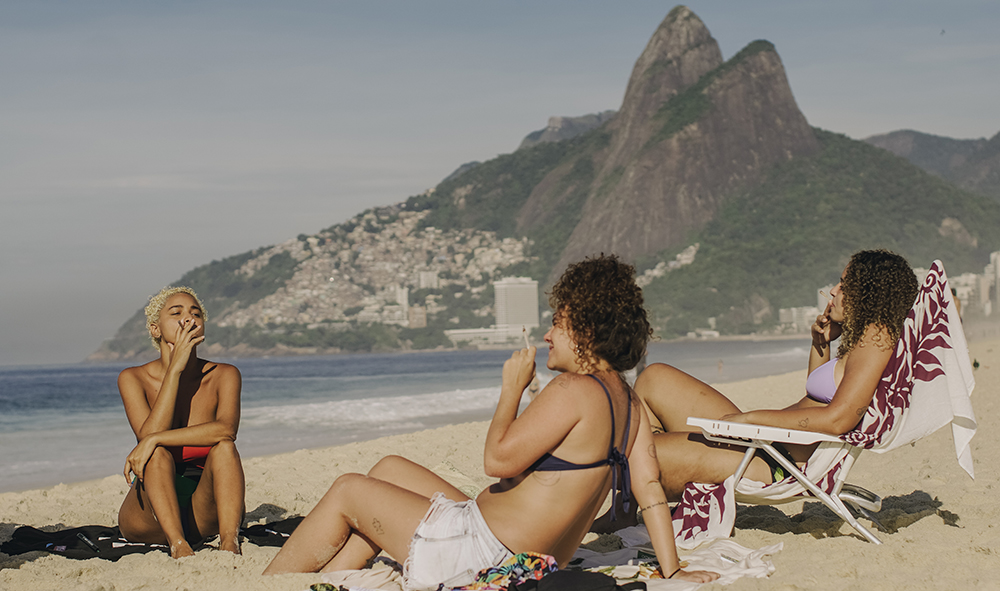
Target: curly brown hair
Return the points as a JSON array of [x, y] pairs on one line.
[[603, 309], [879, 289]]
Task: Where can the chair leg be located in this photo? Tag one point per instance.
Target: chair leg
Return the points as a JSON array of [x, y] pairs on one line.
[[860, 497], [745, 463], [833, 503], [867, 514]]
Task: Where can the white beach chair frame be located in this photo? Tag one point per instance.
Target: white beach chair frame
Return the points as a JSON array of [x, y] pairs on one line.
[[929, 382], [755, 437]]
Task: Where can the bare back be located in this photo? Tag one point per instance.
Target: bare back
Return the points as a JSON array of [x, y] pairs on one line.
[[554, 509]]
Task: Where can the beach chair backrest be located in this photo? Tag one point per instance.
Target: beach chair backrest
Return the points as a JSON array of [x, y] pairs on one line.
[[928, 375]]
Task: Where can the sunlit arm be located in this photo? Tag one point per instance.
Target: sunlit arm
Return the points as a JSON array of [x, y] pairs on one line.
[[514, 443], [863, 369], [648, 493]]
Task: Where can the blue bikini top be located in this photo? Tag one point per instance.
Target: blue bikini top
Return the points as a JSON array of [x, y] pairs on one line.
[[620, 478]]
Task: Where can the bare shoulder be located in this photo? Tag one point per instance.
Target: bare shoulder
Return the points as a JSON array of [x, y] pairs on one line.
[[876, 338], [221, 368], [573, 388], [135, 375], [129, 373], [572, 381], [222, 372]]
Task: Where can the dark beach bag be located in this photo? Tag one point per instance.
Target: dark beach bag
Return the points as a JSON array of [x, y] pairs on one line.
[[576, 580]]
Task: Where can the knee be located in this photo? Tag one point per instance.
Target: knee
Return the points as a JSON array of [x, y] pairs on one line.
[[161, 459], [656, 377], [345, 485], [224, 449], [388, 466]]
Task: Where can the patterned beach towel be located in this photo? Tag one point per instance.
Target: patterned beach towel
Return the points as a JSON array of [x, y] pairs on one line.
[[925, 386]]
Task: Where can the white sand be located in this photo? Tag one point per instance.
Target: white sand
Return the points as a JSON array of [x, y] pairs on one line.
[[925, 491]]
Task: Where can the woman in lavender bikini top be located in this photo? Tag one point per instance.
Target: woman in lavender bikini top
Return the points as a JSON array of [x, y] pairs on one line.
[[866, 313]]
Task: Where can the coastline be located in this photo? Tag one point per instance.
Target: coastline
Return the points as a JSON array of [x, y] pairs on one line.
[[944, 521]]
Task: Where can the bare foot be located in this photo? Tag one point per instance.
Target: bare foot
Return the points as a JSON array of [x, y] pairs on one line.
[[232, 545], [696, 576], [180, 549]]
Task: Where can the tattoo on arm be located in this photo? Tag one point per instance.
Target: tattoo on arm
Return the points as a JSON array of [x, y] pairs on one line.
[[377, 526], [804, 423], [862, 410]]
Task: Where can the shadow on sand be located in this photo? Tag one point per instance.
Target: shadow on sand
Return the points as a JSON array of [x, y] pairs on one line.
[[817, 520]]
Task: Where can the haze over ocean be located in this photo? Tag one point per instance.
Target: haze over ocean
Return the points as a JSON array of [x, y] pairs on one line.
[[147, 139]]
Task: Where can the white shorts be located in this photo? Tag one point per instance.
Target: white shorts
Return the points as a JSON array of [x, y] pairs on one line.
[[451, 545]]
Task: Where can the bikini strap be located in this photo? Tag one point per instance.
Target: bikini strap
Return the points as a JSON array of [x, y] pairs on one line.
[[618, 460]]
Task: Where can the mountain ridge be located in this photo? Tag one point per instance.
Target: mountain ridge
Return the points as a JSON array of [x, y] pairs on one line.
[[973, 165], [707, 156]]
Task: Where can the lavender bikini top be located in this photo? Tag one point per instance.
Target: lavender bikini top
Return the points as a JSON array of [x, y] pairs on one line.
[[821, 385]]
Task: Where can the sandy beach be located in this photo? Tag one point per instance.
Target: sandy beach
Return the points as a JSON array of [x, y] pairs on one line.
[[947, 531]]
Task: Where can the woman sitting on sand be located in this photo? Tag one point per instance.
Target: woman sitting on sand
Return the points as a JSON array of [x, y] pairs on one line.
[[867, 309], [556, 461], [185, 412]]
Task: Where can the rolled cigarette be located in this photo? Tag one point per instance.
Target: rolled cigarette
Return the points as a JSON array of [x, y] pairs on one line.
[[823, 293], [524, 333]]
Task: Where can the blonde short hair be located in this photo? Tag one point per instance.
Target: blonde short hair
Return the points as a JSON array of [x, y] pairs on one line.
[[155, 306]]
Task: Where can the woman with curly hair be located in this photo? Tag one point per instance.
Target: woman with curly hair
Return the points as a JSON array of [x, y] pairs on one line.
[[556, 461], [188, 479], [867, 310]]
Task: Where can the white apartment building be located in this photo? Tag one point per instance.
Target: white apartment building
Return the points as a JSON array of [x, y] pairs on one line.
[[516, 302], [516, 308]]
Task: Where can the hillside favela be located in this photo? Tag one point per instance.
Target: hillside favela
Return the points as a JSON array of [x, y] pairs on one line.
[[708, 177], [716, 325]]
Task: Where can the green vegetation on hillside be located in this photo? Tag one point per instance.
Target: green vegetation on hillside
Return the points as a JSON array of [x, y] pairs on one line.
[[778, 243], [220, 286], [691, 104], [489, 196]]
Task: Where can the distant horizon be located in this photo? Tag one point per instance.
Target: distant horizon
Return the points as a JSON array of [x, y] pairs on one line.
[[147, 140]]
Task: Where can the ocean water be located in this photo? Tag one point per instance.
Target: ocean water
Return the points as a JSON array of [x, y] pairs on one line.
[[66, 423]]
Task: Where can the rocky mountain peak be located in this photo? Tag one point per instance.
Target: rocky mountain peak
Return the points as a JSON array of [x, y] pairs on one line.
[[565, 128], [679, 53]]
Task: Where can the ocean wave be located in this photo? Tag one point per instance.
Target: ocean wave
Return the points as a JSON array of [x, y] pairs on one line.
[[373, 411]]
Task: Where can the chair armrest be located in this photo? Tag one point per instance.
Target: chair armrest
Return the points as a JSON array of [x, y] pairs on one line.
[[759, 432]]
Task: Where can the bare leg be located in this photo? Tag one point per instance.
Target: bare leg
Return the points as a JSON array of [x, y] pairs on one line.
[[404, 474], [218, 502], [671, 396], [383, 513], [689, 457], [150, 513]]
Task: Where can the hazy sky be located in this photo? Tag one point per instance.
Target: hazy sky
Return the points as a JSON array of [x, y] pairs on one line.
[[142, 139]]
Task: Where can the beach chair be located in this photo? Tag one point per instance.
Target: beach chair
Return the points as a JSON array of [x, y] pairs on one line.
[[925, 386]]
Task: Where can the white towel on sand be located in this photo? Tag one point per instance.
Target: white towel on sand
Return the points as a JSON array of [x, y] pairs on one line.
[[731, 560]]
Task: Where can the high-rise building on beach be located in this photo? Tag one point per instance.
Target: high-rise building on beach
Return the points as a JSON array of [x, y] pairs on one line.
[[516, 303], [515, 306]]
